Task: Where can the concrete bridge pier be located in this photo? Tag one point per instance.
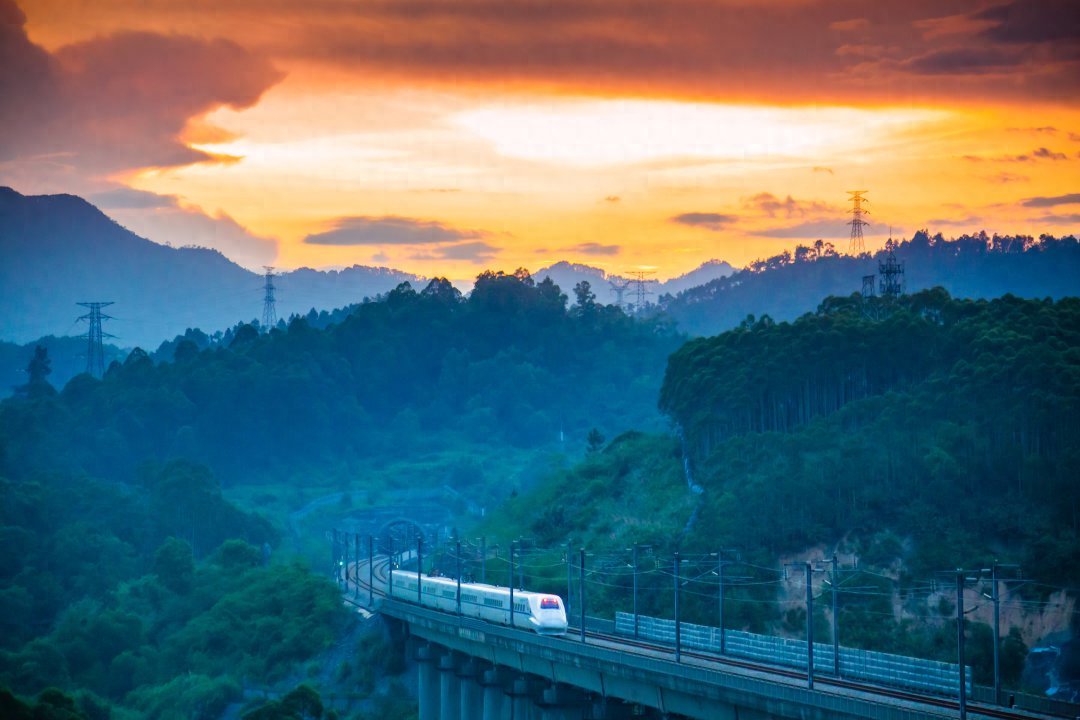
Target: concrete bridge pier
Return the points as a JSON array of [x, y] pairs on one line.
[[450, 687], [472, 692], [496, 702], [612, 709], [430, 690], [523, 694], [562, 702]]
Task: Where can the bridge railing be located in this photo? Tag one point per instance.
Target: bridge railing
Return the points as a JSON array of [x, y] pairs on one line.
[[897, 670]]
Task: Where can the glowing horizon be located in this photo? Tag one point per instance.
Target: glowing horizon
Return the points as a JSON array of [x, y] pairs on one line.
[[606, 134]]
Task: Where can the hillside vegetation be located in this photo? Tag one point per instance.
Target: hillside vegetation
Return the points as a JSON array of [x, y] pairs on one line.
[[956, 421], [417, 372], [792, 283], [919, 435]]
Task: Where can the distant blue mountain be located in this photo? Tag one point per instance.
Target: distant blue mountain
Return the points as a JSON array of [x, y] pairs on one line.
[[58, 250], [566, 275]]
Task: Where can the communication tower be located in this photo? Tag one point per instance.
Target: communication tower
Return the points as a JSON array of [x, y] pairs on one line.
[[868, 286], [892, 272], [640, 289], [857, 222], [269, 309], [95, 355]]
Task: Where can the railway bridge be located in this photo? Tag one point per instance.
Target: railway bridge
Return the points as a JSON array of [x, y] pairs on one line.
[[474, 670]]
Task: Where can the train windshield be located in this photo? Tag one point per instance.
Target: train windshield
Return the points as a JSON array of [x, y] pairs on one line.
[[549, 604]]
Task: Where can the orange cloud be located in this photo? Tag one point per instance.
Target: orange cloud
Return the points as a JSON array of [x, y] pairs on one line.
[[119, 102], [767, 51]]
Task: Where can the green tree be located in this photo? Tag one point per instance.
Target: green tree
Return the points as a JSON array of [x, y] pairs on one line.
[[186, 350], [595, 441], [174, 565], [586, 298], [304, 701], [37, 371]]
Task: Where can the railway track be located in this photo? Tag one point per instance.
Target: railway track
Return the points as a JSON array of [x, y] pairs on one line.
[[879, 690]]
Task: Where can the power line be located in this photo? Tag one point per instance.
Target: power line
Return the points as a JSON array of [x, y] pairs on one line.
[[95, 355]]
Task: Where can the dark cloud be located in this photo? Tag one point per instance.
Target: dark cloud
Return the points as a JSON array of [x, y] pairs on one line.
[[1035, 130], [960, 222], [770, 205], [118, 102], [972, 158], [709, 221], [1048, 154], [594, 249], [827, 51], [845, 25], [1075, 137], [1044, 202], [1005, 178], [389, 230], [474, 252], [864, 51], [1058, 219], [1032, 21], [823, 228], [735, 51], [126, 198], [961, 61]]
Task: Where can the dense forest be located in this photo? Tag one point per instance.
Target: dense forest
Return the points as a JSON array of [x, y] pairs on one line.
[[510, 364], [789, 284], [918, 434], [155, 597], [969, 411], [633, 492]]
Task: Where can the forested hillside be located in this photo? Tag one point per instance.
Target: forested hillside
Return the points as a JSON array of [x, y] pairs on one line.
[[945, 416], [153, 596], [973, 266], [918, 435], [418, 371]]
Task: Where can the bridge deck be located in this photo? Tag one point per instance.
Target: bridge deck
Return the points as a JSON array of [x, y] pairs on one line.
[[647, 673]]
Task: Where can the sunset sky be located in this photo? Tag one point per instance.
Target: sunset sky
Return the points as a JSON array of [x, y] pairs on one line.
[[444, 137]]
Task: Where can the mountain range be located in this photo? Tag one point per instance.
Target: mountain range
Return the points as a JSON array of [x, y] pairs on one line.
[[566, 275], [59, 250]]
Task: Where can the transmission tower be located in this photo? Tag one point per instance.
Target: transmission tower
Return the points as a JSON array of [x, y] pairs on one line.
[[857, 222], [269, 311], [640, 291], [618, 286], [892, 272], [95, 354]]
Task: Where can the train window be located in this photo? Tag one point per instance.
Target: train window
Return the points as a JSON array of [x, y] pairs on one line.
[[549, 604], [495, 603]]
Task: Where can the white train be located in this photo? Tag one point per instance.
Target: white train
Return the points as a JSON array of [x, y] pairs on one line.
[[543, 614]]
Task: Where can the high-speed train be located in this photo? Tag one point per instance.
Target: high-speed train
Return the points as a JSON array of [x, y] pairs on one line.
[[543, 614]]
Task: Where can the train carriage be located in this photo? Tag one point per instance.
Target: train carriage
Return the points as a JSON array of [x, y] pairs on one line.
[[538, 612]]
